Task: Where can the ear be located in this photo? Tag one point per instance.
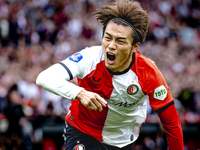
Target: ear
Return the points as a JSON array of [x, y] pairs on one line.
[[135, 47]]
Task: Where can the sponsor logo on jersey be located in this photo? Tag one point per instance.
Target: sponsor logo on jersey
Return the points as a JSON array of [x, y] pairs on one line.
[[160, 93], [121, 104], [76, 57], [132, 89], [98, 80], [79, 147]]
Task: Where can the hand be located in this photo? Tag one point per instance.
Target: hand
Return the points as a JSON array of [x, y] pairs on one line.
[[91, 100]]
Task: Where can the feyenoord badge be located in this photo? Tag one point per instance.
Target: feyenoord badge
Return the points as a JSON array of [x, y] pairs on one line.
[[79, 147], [132, 89]]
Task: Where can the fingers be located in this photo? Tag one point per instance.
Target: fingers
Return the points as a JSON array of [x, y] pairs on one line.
[[92, 100], [89, 107], [92, 106], [101, 100], [98, 105]]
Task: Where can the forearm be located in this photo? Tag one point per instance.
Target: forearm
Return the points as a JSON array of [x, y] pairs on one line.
[[55, 80], [171, 123]]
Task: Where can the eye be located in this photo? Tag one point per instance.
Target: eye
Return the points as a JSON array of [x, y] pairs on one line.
[[108, 38], [121, 42]]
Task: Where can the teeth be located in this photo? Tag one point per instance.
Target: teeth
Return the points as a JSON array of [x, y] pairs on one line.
[[111, 54], [111, 57]]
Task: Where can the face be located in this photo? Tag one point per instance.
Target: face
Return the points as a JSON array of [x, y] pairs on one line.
[[117, 47]]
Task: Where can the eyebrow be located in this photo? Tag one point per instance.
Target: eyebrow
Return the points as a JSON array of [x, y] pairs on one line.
[[117, 37]]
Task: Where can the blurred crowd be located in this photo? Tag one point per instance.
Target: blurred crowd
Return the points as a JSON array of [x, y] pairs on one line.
[[35, 34]]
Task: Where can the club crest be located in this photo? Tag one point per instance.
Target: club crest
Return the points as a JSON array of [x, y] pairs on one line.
[[79, 147], [132, 89]]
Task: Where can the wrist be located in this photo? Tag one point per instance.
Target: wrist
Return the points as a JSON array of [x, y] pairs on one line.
[[80, 94]]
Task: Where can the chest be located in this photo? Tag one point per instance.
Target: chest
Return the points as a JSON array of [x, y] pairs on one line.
[[121, 89]]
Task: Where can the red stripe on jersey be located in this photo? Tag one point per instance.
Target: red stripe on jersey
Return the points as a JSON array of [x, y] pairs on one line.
[[89, 121], [149, 78]]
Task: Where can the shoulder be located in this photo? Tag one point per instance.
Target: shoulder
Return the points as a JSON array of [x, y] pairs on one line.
[[82, 62], [87, 54], [94, 50], [144, 63], [147, 71]]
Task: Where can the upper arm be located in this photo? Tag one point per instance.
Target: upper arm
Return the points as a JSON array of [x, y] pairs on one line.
[[55, 78], [157, 90], [80, 63]]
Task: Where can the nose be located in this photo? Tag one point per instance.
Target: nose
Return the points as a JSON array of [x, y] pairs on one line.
[[112, 45]]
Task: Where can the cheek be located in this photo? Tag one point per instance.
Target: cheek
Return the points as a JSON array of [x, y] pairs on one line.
[[103, 46], [123, 55]]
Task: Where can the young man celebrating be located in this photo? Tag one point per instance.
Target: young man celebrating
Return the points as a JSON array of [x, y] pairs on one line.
[[114, 83]]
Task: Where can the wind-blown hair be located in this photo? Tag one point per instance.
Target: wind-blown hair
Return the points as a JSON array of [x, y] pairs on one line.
[[128, 10]]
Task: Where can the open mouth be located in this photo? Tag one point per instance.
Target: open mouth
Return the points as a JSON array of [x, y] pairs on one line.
[[111, 57]]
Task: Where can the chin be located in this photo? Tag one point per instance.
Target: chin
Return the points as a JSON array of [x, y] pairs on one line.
[[111, 67]]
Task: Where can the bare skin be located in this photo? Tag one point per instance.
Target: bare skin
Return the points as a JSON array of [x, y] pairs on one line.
[[91, 100], [117, 41]]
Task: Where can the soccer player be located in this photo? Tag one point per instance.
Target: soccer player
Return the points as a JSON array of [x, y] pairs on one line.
[[109, 104]]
